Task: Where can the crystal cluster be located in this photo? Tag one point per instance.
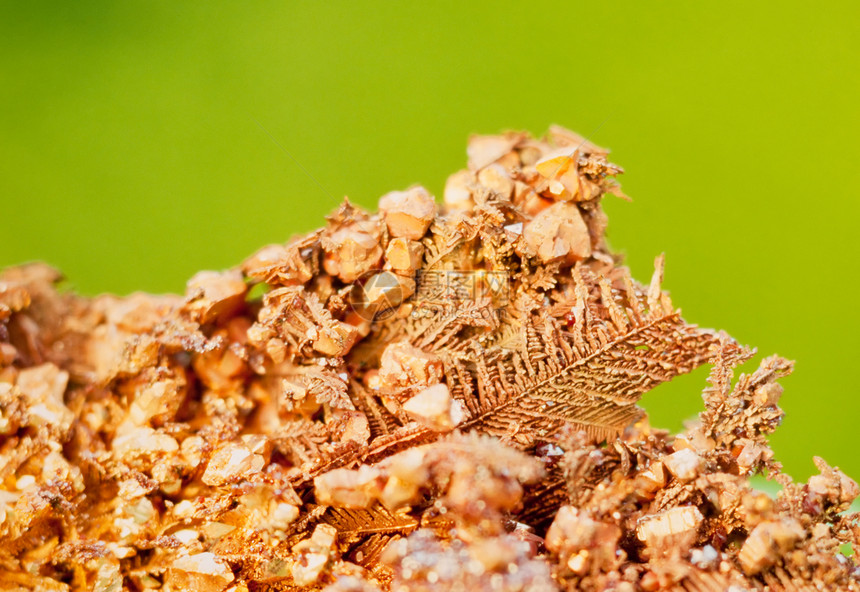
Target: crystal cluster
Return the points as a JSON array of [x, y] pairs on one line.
[[431, 397]]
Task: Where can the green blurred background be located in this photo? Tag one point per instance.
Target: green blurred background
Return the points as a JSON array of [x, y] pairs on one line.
[[130, 156]]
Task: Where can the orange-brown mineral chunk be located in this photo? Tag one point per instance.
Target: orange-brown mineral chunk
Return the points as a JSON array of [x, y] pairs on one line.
[[558, 233], [408, 213]]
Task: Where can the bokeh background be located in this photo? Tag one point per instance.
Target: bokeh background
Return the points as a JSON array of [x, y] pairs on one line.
[[136, 147]]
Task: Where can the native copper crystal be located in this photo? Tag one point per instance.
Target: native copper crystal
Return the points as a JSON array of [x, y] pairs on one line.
[[433, 397]]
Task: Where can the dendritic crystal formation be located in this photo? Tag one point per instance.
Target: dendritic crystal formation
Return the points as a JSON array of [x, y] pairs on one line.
[[426, 398]]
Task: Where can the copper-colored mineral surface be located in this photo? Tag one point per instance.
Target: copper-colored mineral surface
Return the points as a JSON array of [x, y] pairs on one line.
[[433, 397]]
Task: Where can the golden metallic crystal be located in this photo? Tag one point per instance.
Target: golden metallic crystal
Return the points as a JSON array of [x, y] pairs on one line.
[[433, 397]]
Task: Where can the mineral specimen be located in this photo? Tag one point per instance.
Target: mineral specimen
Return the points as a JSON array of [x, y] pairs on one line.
[[434, 397]]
